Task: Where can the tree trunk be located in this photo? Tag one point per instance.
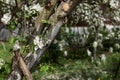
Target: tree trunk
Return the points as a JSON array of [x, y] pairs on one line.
[[50, 34]]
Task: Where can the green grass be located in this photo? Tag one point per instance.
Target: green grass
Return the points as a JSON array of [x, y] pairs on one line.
[[6, 55], [72, 68]]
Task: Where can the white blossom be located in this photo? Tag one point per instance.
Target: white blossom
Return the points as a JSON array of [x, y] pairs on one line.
[[26, 7], [89, 78], [112, 34], [100, 35], [67, 30], [36, 48], [101, 23], [18, 75], [118, 36], [89, 52], [38, 42], [48, 41], [103, 57], [117, 18], [86, 17], [92, 59], [16, 45], [117, 45], [65, 53], [96, 15], [95, 44], [105, 1], [7, 1], [11, 2], [111, 50], [36, 7], [114, 3], [107, 37], [6, 18], [61, 46]]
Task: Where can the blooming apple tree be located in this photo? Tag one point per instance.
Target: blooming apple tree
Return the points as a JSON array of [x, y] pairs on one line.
[[37, 23]]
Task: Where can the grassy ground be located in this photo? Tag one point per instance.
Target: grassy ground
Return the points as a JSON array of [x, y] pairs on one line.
[[78, 69], [71, 69], [6, 56]]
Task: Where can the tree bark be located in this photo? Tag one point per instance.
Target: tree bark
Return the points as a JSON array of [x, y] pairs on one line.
[[50, 34]]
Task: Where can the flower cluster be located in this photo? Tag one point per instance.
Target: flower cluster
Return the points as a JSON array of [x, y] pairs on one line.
[[11, 2], [65, 53], [61, 45], [89, 53], [40, 42], [103, 57], [34, 7], [114, 3], [92, 14], [95, 44], [111, 50], [105, 1], [6, 18], [16, 45], [117, 45]]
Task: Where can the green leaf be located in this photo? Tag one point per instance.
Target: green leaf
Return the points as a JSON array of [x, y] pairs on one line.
[[12, 39], [7, 69], [46, 22]]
